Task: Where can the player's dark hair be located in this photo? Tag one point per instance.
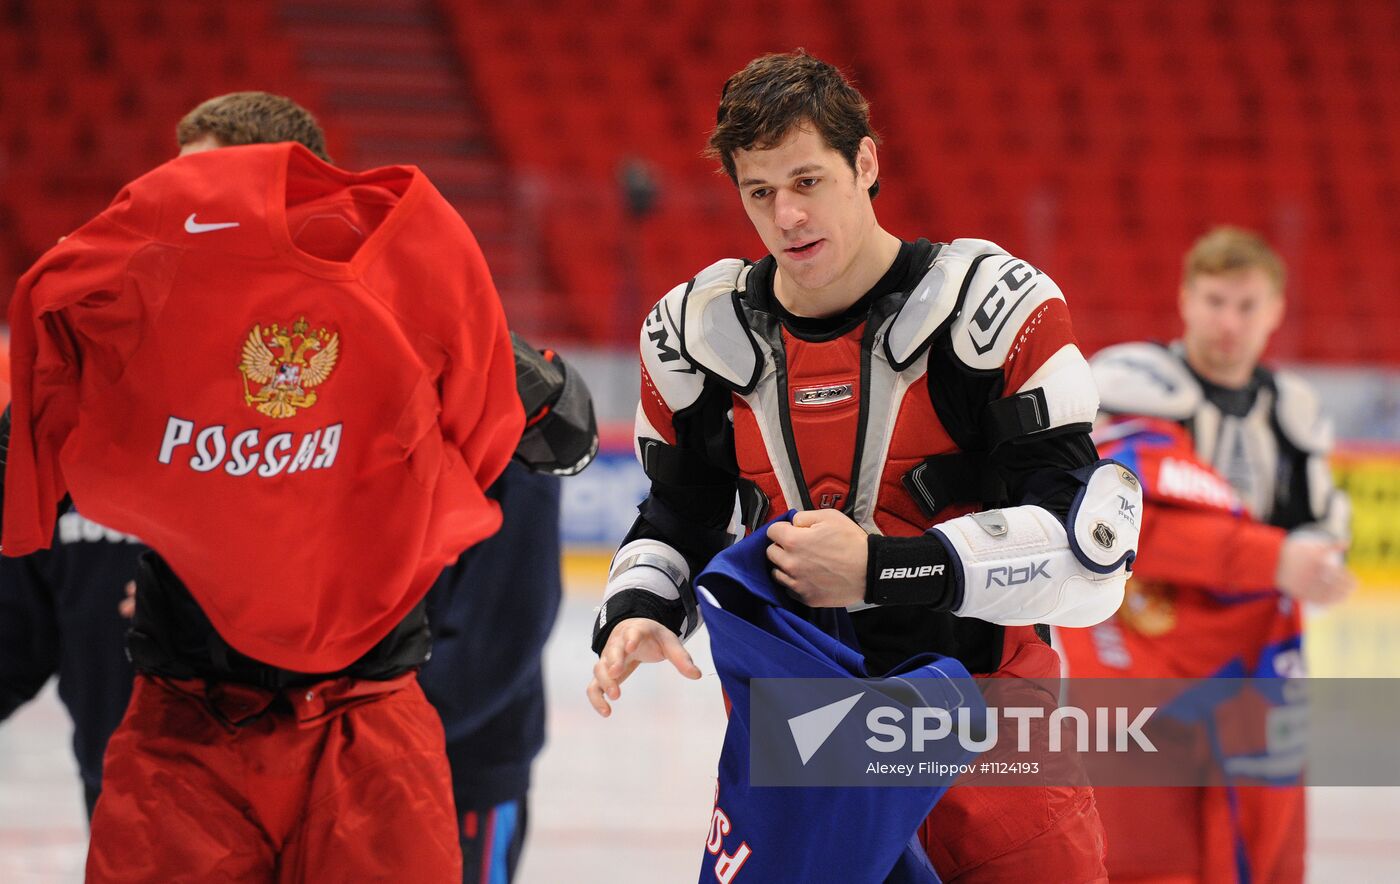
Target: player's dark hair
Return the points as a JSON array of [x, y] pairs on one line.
[[252, 118], [775, 93]]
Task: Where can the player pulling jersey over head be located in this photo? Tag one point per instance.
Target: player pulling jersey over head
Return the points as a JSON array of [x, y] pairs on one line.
[[309, 401], [490, 612], [237, 361]]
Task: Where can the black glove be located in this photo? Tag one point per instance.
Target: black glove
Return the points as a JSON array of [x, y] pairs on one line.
[[561, 432]]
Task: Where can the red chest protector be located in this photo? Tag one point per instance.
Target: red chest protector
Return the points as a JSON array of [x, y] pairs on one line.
[[836, 442]]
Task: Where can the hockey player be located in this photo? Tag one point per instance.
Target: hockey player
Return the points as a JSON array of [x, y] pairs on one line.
[[926, 410], [1243, 525], [490, 614], [60, 614], [235, 362]]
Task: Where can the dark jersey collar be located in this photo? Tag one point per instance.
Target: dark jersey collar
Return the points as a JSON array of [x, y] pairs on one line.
[[908, 267], [1234, 401]]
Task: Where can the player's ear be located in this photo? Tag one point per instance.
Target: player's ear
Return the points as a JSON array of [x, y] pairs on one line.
[[867, 163]]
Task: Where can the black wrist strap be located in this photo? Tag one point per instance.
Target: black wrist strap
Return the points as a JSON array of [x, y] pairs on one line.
[[911, 571], [628, 603]]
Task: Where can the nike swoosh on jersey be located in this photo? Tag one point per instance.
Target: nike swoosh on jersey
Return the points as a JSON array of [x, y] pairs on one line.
[[193, 226]]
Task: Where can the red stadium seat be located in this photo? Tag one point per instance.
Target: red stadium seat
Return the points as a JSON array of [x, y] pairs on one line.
[[1095, 138], [90, 94]]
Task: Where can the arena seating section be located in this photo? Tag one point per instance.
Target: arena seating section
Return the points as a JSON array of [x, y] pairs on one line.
[[90, 93], [1095, 138]]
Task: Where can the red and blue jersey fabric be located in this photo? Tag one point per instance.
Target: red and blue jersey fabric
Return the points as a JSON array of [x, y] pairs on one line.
[[776, 833], [293, 381], [1202, 604], [1202, 601]]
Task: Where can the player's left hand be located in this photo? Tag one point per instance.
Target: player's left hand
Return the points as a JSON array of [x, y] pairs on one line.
[[820, 558]]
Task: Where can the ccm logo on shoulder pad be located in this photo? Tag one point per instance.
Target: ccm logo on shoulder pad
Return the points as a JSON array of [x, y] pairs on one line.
[[908, 573], [1001, 301]]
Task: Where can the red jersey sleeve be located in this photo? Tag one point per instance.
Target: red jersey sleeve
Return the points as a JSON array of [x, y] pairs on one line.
[[1212, 550], [1195, 531], [481, 411], [88, 267], [4, 374]]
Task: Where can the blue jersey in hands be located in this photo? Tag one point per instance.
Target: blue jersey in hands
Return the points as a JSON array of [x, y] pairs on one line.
[[860, 834]]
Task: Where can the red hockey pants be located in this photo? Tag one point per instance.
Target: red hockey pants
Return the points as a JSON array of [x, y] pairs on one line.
[[1184, 835], [994, 834], [343, 780]]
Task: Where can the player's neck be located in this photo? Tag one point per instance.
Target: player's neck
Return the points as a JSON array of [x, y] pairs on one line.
[[869, 265], [1231, 377]]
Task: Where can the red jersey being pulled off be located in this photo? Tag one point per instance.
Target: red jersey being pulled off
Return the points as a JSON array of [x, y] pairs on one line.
[[290, 380]]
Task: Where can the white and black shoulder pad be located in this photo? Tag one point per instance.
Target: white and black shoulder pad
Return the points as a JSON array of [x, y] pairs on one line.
[[1145, 379], [999, 294], [1300, 414], [714, 335], [675, 378], [934, 300]]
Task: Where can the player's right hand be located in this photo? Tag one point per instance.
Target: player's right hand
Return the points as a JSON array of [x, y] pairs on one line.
[[1311, 569], [633, 642]]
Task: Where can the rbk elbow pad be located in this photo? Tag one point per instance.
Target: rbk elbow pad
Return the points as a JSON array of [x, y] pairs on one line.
[[1021, 565]]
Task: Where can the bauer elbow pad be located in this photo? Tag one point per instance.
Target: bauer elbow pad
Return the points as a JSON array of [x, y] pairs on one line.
[[1021, 565]]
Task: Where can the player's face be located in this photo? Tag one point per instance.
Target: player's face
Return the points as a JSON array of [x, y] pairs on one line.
[[811, 209], [1229, 318]]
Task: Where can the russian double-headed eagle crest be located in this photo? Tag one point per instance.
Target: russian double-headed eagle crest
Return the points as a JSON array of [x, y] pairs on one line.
[[285, 363], [1149, 607]]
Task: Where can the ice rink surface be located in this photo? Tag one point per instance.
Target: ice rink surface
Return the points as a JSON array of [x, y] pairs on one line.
[[627, 800]]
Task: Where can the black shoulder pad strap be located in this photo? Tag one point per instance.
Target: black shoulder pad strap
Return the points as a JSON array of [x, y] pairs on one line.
[[1015, 416], [753, 504], [677, 466], [963, 477]]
